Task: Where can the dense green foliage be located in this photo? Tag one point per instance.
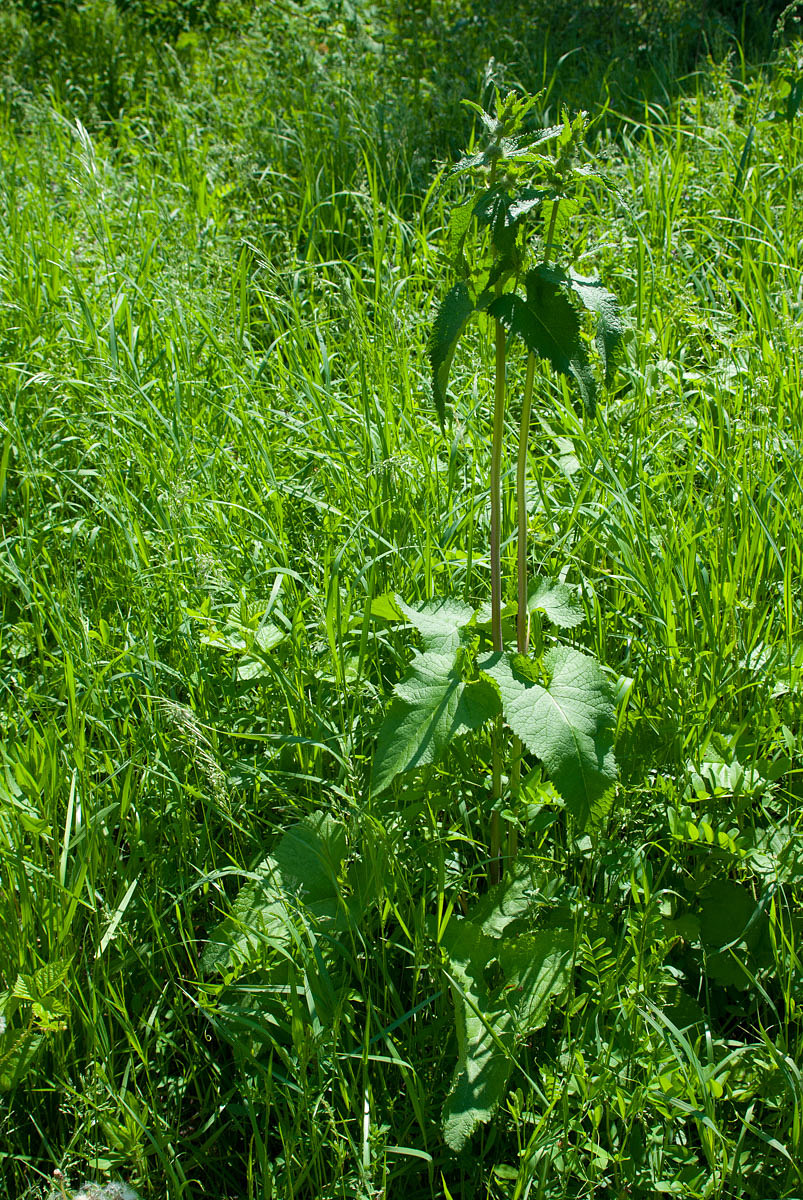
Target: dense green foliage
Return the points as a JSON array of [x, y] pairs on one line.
[[228, 965]]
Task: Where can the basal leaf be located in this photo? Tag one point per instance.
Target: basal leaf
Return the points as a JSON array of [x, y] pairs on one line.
[[439, 622], [484, 1035], [450, 321], [726, 912], [567, 724], [512, 898], [309, 856], [556, 600], [432, 705], [535, 969], [599, 300], [303, 869]]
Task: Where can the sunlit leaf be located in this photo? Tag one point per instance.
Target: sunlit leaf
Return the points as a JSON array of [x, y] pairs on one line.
[[605, 306], [440, 622], [556, 600], [432, 705]]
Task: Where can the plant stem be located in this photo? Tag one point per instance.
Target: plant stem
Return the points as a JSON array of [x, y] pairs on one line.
[[522, 620], [494, 869], [522, 616], [496, 490]]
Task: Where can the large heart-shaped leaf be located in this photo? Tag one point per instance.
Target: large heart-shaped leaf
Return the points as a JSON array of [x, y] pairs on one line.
[[432, 705]]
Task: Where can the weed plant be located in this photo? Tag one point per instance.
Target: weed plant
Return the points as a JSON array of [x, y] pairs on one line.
[[227, 965]]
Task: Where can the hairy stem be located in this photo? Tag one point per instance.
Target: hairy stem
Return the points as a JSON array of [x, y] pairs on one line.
[[496, 588]]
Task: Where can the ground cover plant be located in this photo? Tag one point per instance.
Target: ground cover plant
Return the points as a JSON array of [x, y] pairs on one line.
[[244, 950]]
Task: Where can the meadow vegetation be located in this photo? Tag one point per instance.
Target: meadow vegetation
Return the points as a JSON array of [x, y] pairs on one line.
[[239, 956]]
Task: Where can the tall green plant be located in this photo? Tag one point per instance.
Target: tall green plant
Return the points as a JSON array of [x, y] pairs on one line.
[[557, 703]]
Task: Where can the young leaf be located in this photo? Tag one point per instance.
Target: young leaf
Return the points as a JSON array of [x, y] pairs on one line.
[[599, 300], [450, 322], [567, 724], [439, 622], [432, 705], [556, 600], [549, 327], [523, 145]]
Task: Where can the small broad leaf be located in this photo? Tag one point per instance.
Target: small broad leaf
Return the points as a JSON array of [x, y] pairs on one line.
[[440, 622], [567, 724], [549, 326], [556, 600], [18, 1051], [450, 321], [523, 145], [432, 705], [259, 918], [599, 300], [726, 912], [385, 607], [527, 200], [480, 159]]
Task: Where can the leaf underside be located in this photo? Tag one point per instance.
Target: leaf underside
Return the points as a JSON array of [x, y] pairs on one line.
[[450, 321]]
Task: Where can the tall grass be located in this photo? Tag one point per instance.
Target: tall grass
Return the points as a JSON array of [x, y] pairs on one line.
[[217, 449]]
